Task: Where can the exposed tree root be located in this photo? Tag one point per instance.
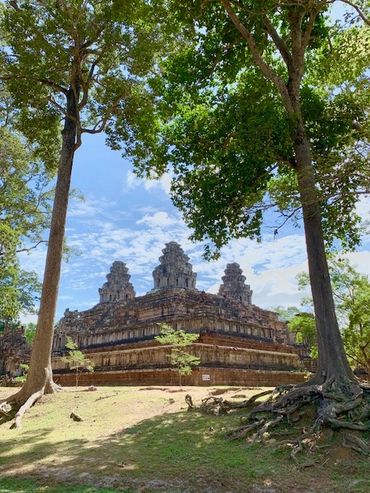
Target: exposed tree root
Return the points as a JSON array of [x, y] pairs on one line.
[[16, 405], [25, 407], [243, 431], [260, 434], [51, 387], [356, 443], [331, 406], [216, 405], [189, 402]]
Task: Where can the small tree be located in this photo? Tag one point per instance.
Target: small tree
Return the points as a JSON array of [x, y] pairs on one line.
[[24, 206], [304, 328], [23, 367], [76, 359], [302, 324], [356, 334], [29, 333], [351, 291], [180, 340]]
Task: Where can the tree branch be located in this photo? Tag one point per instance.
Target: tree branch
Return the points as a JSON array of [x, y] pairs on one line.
[[46, 82], [308, 31], [257, 57], [52, 84], [279, 42], [96, 130], [100, 126], [358, 10], [287, 217], [85, 84], [26, 249], [57, 106]]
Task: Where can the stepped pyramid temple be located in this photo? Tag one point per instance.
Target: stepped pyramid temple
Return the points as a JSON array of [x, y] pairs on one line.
[[239, 343]]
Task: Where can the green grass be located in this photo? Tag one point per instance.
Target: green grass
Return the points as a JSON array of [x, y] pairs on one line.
[[135, 439], [11, 485]]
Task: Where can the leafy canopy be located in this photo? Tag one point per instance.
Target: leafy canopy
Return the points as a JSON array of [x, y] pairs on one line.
[[302, 324], [222, 130], [30, 332], [99, 50], [356, 335], [24, 214], [351, 291], [95, 52]]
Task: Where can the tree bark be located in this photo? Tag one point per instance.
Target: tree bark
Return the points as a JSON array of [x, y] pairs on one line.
[[42, 345], [332, 363]]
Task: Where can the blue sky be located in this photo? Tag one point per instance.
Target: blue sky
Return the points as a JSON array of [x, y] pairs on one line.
[[124, 218]]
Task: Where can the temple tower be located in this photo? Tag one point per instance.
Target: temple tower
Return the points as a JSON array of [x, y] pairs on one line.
[[233, 285], [174, 270], [118, 286]]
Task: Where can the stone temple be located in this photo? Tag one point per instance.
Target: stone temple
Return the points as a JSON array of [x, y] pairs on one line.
[[118, 286], [239, 343]]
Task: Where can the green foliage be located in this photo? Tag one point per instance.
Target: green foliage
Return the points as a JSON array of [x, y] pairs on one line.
[[100, 50], [302, 324], [180, 340], [76, 359], [19, 291], [304, 327], [24, 369], [351, 292], [285, 314], [24, 206], [356, 335], [221, 128], [30, 332]]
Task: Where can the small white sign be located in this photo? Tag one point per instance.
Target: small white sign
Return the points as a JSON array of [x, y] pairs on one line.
[[206, 378]]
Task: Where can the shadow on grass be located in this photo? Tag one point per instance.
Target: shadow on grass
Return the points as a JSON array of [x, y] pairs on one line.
[[181, 452], [173, 452]]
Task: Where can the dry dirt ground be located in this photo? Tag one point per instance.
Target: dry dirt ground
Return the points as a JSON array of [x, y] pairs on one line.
[[142, 439]]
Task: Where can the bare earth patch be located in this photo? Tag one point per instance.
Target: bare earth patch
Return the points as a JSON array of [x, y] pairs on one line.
[[142, 439]]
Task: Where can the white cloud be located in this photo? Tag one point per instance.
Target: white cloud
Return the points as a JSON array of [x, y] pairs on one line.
[[158, 219], [132, 181], [363, 208], [163, 183], [34, 260], [361, 260], [89, 207], [28, 318], [104, 235]]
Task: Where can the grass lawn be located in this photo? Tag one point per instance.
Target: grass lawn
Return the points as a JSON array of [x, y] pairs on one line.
[[136, 439]]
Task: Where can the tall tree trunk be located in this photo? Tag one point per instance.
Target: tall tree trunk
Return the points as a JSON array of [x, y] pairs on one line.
[[333, 364], [40, 374]]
